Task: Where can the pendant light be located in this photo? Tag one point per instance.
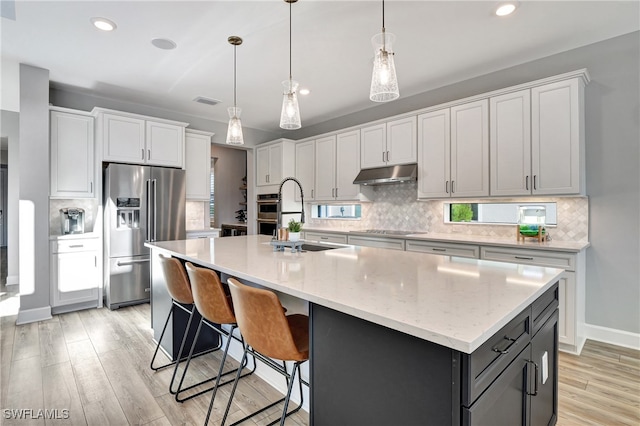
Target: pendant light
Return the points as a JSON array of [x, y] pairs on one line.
[[234, 131], [384, 83], [290, 115]]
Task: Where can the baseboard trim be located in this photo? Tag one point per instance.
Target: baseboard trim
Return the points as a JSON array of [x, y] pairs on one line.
[[613, 336], [27, 316], [13, 280]]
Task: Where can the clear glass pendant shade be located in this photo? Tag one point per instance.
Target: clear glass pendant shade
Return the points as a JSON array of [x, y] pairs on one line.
[[384, 83], [290, 115], [234, 131]]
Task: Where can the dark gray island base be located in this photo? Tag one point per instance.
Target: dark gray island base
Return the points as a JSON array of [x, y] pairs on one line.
[[367, 374]]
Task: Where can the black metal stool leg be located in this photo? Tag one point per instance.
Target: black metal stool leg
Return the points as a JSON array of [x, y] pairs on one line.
[[217, 384], [166, 323], [233, 390], [184, 340]]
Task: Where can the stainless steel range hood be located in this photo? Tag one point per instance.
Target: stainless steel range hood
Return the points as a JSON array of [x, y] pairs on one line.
[[388, 174]]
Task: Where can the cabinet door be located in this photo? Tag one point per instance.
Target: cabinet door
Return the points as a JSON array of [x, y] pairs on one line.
[[505, 402], [470, 149], [555, 136], [347, 165], [305, 169], [510, 143], [275, 164], [123, 139], [373, 146], [75, 277], [544, 388], [198, 166], [402, 142], [165, 144], [434, 154], [379, 242], [262, 166], [325, 168], [72, 160]]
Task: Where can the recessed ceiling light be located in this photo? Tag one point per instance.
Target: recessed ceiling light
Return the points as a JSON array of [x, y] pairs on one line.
[[103, 24], [505, 9], [304, 91], [164, 43]]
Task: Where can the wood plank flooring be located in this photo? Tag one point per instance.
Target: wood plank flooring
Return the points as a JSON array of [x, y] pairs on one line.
[[94, 365]]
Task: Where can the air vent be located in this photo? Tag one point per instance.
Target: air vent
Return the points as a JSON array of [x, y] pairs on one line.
[[207, 101]]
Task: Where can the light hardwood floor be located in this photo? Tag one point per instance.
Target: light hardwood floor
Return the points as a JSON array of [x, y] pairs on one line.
[[94, 364]]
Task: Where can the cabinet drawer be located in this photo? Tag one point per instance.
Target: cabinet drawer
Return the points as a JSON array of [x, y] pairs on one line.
[[565, 261], [389, 243], [444, 249], [70, 246], [329, 238], [544, 307], [481, 368]]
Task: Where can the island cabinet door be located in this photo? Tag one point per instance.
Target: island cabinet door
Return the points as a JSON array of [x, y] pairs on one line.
[[505, 402], [544, 359]]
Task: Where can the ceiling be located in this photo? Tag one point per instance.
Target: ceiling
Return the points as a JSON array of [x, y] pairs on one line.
[[438, 43]]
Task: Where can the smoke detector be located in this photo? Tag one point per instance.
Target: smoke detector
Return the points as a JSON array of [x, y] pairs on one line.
[[207, 101]]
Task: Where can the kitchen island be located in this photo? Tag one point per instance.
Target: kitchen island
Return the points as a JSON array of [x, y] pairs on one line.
[[408, 338]]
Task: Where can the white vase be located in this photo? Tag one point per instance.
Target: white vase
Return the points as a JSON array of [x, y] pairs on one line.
[[294, 236]]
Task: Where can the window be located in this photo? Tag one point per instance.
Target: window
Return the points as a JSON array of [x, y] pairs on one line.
[[212, 198], [496, 213], [336, 211]]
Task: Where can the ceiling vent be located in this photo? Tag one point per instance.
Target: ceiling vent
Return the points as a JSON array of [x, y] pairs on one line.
[[207, 101]]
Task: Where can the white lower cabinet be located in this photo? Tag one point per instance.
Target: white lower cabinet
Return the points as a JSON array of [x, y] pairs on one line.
[[379, 242], [444, 249], [325, 238], [571, 287], [75, 274]]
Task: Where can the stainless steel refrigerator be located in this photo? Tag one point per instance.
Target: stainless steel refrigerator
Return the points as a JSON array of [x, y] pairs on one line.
[[141, 203]]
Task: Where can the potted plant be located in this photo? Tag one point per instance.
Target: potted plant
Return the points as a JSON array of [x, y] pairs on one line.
[[294, 230]]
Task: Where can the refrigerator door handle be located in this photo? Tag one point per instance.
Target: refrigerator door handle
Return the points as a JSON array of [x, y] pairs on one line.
[[148, 210], [131, 262], [155, 214]]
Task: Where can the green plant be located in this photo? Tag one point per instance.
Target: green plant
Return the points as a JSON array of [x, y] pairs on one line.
[[461, 213], [294, 226]]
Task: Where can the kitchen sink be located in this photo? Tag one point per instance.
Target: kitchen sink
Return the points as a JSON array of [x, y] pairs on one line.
[[316, 247]]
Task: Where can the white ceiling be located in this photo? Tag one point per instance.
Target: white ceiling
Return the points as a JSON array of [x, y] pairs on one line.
[[438, 43]]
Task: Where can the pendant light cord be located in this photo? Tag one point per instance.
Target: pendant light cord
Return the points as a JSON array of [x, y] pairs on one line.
[[384, 37], [290, 43], [234, 75]]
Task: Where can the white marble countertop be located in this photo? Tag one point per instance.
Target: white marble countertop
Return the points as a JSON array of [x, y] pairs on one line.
[[528, 243], [455, 302]]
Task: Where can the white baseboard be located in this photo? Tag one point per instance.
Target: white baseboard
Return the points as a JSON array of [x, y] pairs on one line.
[[12, 280], [27, 316], [613, 336]]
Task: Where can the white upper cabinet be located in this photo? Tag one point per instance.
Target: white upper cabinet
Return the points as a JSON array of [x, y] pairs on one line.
[[198, 164], [470, 149], [129, 138], [537, 140], [347, 165], [165, 144], [434, 154], [305, 169], [454, 152], [72, 155], [557, 138], [510, 143], [325, 173], [389, 143], [274, 162]]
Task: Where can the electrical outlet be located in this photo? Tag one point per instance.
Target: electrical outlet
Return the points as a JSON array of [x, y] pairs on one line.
[[545, 367]]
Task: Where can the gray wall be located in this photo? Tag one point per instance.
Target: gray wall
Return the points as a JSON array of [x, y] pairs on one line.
[[612, 162], [230, 168], [34, 194], [10, 129], [63, 97]]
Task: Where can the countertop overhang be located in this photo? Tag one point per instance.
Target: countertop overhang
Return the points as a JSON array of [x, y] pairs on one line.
[[455, 302]]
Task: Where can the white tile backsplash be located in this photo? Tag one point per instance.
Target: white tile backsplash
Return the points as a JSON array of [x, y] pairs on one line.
[[395, 207], [197, 214]]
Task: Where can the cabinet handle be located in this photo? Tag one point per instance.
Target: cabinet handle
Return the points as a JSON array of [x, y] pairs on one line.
[[453, 186], [534, 183], [142, 152], [267, 176], [149, 154], [507, 349], [91, 186], [446, 187], [312, 193], [526, 185], [147, 290], [76, 246], [438, 249], [324, 238], [95, 261], [336, 192], [523, 257], [535, 382]]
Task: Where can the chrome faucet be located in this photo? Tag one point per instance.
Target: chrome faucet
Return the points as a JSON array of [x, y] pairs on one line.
[[279, 208]]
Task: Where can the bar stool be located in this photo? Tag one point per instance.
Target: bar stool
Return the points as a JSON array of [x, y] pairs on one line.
[[179, 289], [269, 333], [216, 308]]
